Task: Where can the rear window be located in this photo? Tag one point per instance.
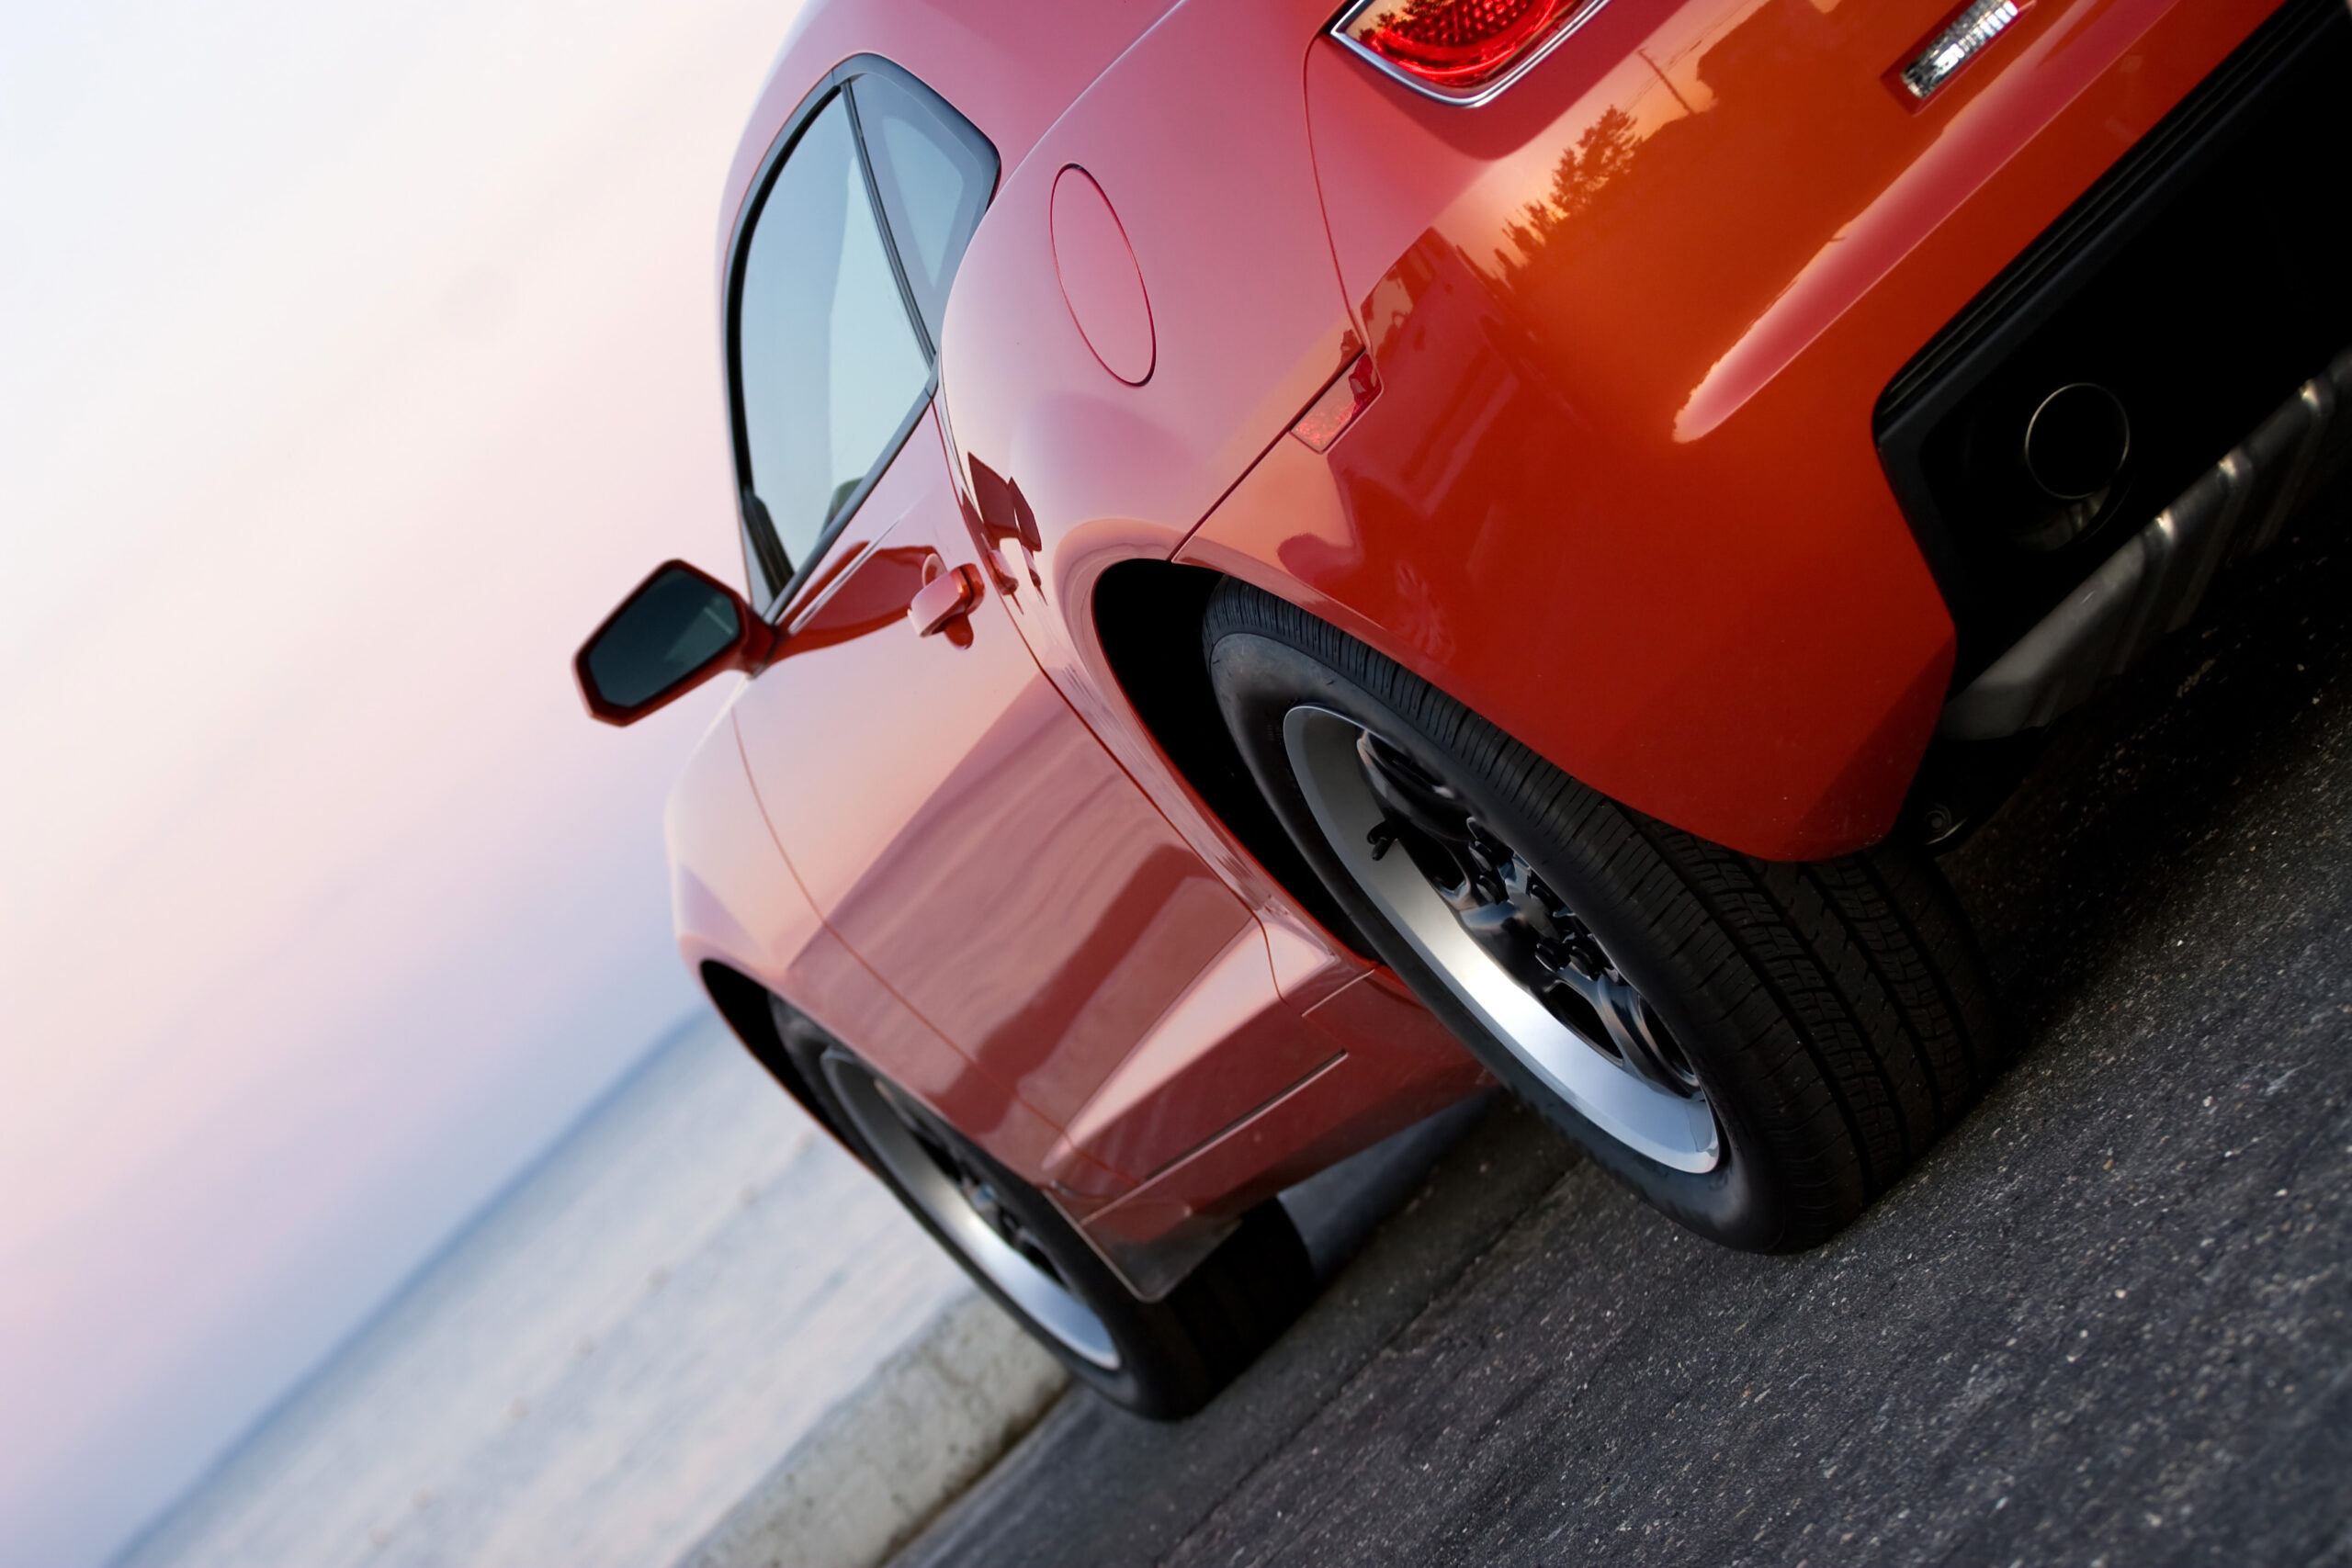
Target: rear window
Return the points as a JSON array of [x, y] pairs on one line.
[[935, 176], [838, 306]]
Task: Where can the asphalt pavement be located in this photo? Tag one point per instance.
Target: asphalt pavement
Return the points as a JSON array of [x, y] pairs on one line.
[[2104, 1322]]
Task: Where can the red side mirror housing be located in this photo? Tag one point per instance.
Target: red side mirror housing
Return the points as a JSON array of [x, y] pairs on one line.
[[677, 629]]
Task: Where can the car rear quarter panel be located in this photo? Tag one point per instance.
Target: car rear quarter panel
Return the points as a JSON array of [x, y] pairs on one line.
[[1197, 135], [1619, 492]]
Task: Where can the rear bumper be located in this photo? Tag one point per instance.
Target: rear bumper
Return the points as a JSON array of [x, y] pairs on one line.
[[2192, 286], [1620, 490], [2156, 582]]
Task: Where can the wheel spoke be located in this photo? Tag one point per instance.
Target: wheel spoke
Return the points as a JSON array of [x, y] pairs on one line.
[[1504, 907]]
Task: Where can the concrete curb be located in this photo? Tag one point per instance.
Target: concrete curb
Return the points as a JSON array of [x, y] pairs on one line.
[[927, 1424]]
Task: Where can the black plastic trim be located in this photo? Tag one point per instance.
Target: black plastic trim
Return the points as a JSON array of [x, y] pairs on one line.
[[749, 1011], [1149, 615], [2031, 289]]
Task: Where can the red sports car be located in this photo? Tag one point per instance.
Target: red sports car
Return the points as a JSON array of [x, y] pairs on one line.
[[1296, 565]]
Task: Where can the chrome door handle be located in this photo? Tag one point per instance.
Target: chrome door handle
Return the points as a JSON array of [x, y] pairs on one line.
[[945, 599]]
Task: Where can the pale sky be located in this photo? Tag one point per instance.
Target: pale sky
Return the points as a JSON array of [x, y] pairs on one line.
[[354, 360]]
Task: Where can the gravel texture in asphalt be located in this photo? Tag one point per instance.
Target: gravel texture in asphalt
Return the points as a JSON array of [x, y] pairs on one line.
[[2104, 1321]]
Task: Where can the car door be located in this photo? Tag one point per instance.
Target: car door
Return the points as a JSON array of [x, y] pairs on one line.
[[951, 819]]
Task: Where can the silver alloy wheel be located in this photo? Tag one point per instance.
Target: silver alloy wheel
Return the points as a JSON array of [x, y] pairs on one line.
[[1660, 1113], [960, 1201]]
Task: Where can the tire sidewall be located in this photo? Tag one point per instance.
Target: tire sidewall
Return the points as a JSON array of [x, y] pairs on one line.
[[1259, 678]]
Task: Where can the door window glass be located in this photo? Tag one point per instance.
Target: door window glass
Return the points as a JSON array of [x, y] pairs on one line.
[[831, 370], [935, 173]]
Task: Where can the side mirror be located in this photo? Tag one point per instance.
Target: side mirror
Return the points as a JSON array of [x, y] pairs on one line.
[[680, 627]]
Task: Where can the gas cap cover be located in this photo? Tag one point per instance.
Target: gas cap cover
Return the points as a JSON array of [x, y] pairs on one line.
[[1100, 282]]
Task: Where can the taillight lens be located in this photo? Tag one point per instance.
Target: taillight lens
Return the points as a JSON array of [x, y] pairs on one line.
[[1465, 50]]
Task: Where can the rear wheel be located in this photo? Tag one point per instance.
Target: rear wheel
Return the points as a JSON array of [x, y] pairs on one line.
[[1757, 1048], [1163, 1358]]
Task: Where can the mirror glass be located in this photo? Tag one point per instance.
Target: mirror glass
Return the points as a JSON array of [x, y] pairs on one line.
[[667, 632]]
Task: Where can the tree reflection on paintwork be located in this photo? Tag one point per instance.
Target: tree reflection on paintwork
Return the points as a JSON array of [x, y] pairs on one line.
[[1601, 155]]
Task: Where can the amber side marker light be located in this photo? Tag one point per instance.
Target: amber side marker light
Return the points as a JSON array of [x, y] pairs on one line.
[[1463, 51], [1336, 407]]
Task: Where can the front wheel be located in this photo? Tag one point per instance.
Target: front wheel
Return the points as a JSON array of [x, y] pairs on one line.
[[1757, 1048], [1163, 1358]]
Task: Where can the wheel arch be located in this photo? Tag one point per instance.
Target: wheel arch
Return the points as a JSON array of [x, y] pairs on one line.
[[1148, 618], [751, 1009]]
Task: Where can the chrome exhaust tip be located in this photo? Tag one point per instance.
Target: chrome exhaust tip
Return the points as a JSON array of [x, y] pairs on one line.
[[2076, 442]]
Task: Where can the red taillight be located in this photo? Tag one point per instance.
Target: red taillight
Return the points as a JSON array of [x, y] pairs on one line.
[[1460, 50]]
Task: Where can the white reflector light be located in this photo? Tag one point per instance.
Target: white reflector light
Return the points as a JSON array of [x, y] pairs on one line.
[[1957, 44]]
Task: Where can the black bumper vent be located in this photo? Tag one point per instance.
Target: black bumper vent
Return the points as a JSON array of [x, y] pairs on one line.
[[2200, 281]]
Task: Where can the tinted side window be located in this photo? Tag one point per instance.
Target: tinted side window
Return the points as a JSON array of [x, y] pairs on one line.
[[935, 173], [830, 368]]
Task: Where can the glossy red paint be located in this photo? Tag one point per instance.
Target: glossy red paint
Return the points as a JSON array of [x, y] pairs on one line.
[[1248, 316], [737, 902], [1070, 471], [1168, 1097], [1398, 1066], [1604, 353], [971, 842]]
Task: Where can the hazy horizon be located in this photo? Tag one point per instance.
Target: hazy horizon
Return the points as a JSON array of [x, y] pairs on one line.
[[404, 1289], [603, 1362]]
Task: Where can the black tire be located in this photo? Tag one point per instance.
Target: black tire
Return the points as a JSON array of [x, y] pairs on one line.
[[1165, 1358], [1834, 1017]]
